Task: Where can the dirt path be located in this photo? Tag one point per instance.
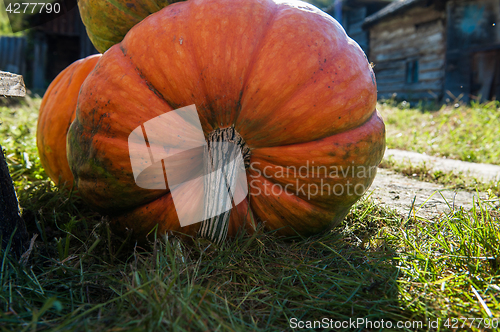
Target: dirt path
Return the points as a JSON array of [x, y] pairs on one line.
[[397, 192], [481, 171]]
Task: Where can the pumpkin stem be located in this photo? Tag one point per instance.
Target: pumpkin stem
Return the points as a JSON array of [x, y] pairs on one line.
[[222, 169]]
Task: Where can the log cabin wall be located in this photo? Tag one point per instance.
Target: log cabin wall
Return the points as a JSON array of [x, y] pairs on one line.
[[351, 14], [409, 51]]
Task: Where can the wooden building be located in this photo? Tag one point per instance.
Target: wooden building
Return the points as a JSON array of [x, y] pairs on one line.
[[57, 43], [51, 43], [438, 50]]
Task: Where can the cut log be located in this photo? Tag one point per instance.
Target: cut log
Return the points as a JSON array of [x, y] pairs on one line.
[[11, 85], [11, 224]]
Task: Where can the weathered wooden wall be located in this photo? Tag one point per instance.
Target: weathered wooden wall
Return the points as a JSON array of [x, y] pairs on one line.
[[58, 43], [49, 49], [417, 34], [473, 30], [70, 25], [13, 54]]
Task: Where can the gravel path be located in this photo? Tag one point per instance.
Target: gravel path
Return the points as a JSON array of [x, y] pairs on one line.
[[397, 192]]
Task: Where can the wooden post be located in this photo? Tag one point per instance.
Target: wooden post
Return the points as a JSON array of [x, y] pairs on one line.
[[11, 223]]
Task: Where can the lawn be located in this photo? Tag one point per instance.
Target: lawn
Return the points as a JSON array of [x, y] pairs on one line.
[[468, 133], [376, 265]]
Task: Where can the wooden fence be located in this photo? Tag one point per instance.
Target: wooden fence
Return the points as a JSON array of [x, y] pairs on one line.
[[13, 54]]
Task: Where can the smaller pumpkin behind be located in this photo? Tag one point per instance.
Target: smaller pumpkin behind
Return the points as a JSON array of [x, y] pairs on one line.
[[57, 112]]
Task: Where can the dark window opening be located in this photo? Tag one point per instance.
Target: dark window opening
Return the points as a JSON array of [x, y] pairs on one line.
[[62, 51], [412, 71]]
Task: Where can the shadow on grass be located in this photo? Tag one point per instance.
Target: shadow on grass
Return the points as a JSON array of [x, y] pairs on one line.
[[80, 276]]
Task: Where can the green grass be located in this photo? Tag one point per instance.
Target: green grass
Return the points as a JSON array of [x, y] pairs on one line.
[[18, 139], [462, 132], [79, 276]]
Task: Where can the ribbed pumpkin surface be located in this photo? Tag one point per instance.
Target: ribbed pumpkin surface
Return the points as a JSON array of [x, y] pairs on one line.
[[284, 74]]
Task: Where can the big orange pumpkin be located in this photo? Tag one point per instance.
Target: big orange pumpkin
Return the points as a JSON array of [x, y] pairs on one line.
[[107, 22], [57, 111], [280, 77]]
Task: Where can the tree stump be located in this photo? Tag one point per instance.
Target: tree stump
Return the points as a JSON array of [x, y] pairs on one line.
[[11, 223]]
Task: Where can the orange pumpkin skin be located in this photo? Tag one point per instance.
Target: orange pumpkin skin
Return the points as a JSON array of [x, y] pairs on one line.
[[57, 111], [284, 74], [107, 22]]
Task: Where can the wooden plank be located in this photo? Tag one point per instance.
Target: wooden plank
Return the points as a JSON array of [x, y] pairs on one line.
[[398, 68], [3, 52], [409, 36], [19, 57], [388, 65], [391, 72], [420, 86], [391, 82], [431, 41], [39, 63], [403, 88], [428, 95], [425, 65], [11, 85], [433, 57], [414, 16], [431, 75], [23, 55], [13, 55], [403, 54], [435, 92]]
